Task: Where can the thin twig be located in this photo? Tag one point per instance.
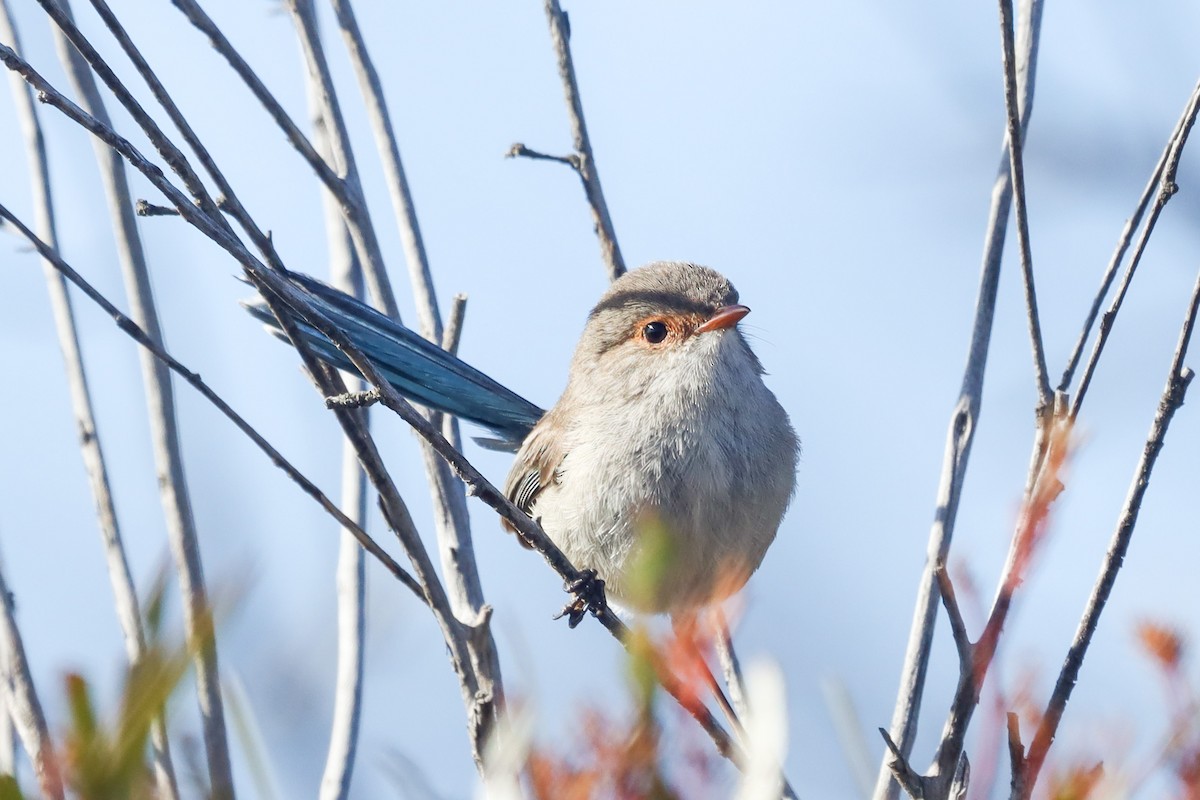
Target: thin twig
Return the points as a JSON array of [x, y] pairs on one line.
[[962, 427], [1016, 146], [124, 593], [23, 703], [451, 521], [138, 335], [583, 161], [1110, 272], [163, 421], [1166, 190], [1178, 378], [345, 273]]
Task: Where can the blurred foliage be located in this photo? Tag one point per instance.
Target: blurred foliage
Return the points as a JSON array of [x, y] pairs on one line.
[[110, 759]]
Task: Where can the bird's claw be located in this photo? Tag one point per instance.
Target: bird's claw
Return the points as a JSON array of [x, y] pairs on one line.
[[589, 596]]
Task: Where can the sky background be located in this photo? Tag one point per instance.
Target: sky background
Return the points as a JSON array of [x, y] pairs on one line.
[[835, 160]]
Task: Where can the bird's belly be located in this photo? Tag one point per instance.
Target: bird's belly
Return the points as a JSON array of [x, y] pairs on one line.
[[687, 527]]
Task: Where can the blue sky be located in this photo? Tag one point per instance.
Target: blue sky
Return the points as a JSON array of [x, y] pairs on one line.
[[834, 160]]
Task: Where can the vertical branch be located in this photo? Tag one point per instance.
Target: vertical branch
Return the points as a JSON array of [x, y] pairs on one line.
[[124, 593], [449, 498], [1016, 136], [346, 274], [162, 417], [961, 432], [22, 700], [451, 521], [582, 160], [560, 35]]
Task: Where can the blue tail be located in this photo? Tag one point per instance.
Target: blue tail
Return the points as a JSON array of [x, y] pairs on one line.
[[417, 369]]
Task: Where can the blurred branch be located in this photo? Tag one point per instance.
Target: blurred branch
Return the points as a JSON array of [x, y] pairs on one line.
[[1178, 378], [124, 594], [1016, 144], [22, 700], [583, 161], [345, 273], [76, 55], [962, 425], [1166, 190]]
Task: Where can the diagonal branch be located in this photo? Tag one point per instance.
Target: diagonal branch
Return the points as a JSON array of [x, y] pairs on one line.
[[1016, 145], [138, 335], [1178, 378], [1169, 168], [124, 592], [160, 399]]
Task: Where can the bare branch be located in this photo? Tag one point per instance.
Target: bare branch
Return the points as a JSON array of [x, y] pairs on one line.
[[1016, 135], [164, 424], [138, 335], [22, 699], [124, 593], [583, 161], [1166, 190], [1178, 378], [962, 424], [519, 150], [346, 274]]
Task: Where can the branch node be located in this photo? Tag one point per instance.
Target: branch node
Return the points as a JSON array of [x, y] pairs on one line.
[[144, 208], [905, 775], [353, 399]]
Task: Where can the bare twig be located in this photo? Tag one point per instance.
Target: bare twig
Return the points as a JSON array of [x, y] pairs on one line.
[[22, 699], [451, 520], [583, 161], [519, 150], [450, 510], [1166, 190], [730, 665], [962, 425], [1016, 752], [977, 658], [138, 335], [164, 425], [1110, 272], [124, 593], [346, 274], [1016, 145], [1178, 378]]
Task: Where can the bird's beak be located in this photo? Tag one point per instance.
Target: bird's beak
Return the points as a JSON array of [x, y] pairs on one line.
[[725, 317]]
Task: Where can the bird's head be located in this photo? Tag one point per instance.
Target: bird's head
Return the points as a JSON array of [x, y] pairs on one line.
[[666, 315]]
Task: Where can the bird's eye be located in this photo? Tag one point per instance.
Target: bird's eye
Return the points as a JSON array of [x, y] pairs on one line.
[[654, 332]]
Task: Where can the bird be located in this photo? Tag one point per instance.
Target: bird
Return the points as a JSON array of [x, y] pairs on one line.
[[665, 439]]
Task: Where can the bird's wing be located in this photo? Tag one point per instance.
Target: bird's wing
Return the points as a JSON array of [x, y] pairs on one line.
[[536, 465]]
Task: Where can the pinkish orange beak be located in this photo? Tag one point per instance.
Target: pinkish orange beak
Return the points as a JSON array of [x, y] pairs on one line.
[[725, 317]]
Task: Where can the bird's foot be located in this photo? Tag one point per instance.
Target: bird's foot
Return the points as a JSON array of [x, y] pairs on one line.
[[588, 589]]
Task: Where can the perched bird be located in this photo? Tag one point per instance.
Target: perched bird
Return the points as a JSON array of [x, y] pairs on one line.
[[665, 432]]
